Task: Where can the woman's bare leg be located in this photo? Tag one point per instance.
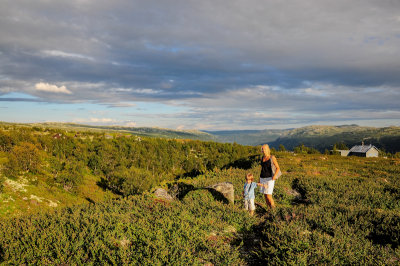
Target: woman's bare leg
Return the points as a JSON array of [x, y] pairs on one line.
[[269, 200]]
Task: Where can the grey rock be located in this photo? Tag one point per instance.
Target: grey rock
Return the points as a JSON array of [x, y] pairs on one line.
[[226, 189], [163, 194]]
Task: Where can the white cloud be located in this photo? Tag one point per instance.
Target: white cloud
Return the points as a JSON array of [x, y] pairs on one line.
[[65, 55], [94, 120], [120, 104], [146, 91], [101, 120], [130, 124], [51, 88], [203, 126]]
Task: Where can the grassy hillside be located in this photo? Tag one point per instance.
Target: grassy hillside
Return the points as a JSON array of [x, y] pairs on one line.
[[330, 210], [248, 137], [319, 137], [138, 131], [47, 167], [87, 198]]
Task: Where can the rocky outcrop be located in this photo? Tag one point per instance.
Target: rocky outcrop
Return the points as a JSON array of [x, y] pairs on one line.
[[226, 189]]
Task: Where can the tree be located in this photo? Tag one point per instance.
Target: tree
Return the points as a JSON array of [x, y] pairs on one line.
[[281, 148], [301, 149], [68, 173], [23, 157], [340, 146], [6, 141]]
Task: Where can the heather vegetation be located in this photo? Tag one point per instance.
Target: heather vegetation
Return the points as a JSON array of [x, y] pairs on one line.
[[330, 209], [122, 162]]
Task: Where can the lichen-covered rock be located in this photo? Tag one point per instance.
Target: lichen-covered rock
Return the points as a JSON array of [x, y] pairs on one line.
[[163, 194], [226, 189]]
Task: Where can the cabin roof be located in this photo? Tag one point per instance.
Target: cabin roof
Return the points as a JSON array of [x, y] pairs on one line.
[[363, 148]]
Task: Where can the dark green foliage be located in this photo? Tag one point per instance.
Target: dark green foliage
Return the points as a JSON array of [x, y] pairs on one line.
[[67, 172], [308, 236], [345, 211], [282, 148], [128, 167], [23, 157], [199, 197], [340, 146], [130, 181], [331, 210], [134, 231], [301, 149], [124, 165], [6, 141]]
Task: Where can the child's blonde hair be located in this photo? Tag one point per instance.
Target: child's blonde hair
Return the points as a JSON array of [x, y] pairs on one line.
[[249, 176]]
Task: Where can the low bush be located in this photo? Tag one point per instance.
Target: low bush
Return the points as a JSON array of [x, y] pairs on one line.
[[330, 209], [136, 230]]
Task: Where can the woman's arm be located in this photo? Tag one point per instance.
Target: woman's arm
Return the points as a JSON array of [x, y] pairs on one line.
[[275, 162]]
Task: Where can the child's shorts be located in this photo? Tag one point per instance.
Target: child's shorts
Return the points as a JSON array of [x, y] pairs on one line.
[[270, 183], [249, 204]]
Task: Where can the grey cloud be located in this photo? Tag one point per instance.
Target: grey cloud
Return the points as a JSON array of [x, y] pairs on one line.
[[194, 51], [260, 106], [6, 99]]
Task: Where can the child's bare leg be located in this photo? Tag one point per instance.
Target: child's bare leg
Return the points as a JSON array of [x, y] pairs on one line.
[[251, 212]]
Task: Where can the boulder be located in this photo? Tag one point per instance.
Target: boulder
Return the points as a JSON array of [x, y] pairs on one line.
[[226, 189], [162, 194]]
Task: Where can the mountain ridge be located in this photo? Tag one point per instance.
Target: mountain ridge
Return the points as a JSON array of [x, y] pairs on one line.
[[320, 137]]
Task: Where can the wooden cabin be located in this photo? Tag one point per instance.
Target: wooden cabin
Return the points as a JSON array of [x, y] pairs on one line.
[[364, 151]]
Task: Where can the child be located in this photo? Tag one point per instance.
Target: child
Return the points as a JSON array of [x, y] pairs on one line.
[[248, 193]]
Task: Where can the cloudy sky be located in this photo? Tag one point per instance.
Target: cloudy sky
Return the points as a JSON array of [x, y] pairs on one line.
[[249, 64]]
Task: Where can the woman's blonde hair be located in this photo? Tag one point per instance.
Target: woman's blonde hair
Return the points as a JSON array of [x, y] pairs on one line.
[[265, 149]]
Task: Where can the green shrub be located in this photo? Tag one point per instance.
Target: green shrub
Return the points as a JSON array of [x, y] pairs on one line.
[[199, 196], [6, 141], [137, 230], [301, 149], [23, 157], [130, 181], [70, 174], [330, 209]]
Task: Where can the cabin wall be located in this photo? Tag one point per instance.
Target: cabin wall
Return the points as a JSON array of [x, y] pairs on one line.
[[344, 152], [372, 153]]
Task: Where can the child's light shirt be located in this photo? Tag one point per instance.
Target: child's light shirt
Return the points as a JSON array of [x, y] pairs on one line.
[[249, 190]]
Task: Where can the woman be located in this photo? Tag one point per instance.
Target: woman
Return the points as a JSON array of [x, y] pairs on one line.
[[266, 175]]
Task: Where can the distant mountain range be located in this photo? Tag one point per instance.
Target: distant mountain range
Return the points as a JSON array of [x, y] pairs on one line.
[[319, 137]]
